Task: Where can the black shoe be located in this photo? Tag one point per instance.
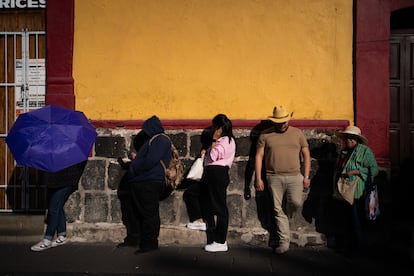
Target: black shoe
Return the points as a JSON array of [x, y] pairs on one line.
[[273, 243], [145, 250], [126, 244], [247, 194]]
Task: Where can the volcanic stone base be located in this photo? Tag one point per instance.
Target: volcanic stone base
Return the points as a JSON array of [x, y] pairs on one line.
[[109, 232]]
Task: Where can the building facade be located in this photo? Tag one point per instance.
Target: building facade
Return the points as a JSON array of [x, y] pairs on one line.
[[122, 61]]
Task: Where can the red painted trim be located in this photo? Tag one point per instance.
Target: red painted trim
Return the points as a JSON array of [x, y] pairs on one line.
[[59, 32], [372, 113], [400, 4], [372, 75], [239, 124]]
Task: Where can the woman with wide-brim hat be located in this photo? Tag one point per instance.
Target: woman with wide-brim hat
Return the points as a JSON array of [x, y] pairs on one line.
[[356, 162], [352, 132]]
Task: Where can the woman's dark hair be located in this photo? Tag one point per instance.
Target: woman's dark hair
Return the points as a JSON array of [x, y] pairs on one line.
[[221, 121], [139, 140]]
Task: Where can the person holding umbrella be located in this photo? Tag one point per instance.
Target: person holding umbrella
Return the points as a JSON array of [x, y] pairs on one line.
[[57, 141], [51, 138], [60, 185]]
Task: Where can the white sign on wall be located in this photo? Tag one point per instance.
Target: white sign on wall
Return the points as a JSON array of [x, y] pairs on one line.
[[30, 93]]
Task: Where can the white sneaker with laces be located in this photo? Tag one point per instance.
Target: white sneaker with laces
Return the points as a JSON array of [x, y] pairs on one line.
[[59, 241], [196, 225], [42, 245], [216, 247]]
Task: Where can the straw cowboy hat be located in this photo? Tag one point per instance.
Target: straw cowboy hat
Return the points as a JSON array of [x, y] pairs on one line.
[[353, 131], [280, 115]]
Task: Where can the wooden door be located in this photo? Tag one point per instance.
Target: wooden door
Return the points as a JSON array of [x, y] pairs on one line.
[[402, 119], [401, 99], [22, 56]]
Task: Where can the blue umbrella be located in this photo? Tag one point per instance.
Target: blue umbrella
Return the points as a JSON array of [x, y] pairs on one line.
[[51, 138]]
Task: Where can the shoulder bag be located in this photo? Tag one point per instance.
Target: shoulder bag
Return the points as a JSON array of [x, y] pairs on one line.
[[196, 170], [372, 209], [345, 190]]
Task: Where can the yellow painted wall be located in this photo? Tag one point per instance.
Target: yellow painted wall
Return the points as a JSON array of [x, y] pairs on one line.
[[192, 59]]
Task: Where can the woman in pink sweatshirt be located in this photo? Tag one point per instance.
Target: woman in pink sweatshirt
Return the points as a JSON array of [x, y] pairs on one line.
[[217, 162]]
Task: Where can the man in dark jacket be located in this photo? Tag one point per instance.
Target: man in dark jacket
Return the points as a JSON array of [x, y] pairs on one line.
[[125, 196], [146, 176]]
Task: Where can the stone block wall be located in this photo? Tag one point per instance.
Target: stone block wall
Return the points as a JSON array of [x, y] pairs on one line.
[[94, 214]]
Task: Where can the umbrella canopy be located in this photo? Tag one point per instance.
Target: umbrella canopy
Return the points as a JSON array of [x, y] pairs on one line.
[[51, 138]]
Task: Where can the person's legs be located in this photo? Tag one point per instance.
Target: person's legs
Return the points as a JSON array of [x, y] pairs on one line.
[[128, 219], [358, 210], [132, 226], [56, 220], [191, 198], [218, 195], [146, 201], [336, 211], [277, 188], [61, 226], [274, 238], [294, 192], [217, 180], [207, 211]]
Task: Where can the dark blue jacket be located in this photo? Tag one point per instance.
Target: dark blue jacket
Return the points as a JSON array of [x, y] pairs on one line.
[[69, 176], [146, 167]]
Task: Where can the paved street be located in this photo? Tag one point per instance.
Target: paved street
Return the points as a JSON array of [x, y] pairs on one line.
[[106, 259]]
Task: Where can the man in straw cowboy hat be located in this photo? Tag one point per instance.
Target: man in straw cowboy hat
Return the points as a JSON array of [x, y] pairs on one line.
[[279, 149]]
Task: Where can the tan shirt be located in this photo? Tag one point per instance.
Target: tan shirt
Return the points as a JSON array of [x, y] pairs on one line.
[[282, 151]]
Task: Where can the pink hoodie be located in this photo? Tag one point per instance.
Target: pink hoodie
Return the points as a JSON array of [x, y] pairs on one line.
[[222, 154]]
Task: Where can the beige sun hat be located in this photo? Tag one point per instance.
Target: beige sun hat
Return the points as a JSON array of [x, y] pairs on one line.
[[280, 115], [353, 131]]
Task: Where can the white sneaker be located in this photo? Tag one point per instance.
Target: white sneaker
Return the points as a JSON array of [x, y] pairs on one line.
[[196, 225], [59, 241], [216, 247], [42, 245]]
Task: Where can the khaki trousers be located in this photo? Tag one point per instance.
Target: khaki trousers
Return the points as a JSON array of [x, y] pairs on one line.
[[290, 187]]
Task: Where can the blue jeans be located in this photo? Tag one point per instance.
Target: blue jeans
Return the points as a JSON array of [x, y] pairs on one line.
[[56, 219]]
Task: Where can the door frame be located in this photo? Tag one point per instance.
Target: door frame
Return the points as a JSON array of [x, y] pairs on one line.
[[24, 91]]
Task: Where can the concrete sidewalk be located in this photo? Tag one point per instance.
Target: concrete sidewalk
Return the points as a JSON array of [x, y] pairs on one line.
[[105, 259]]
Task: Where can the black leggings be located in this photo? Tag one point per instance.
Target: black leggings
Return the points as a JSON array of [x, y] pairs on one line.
[[192, 200], [214, 202]]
